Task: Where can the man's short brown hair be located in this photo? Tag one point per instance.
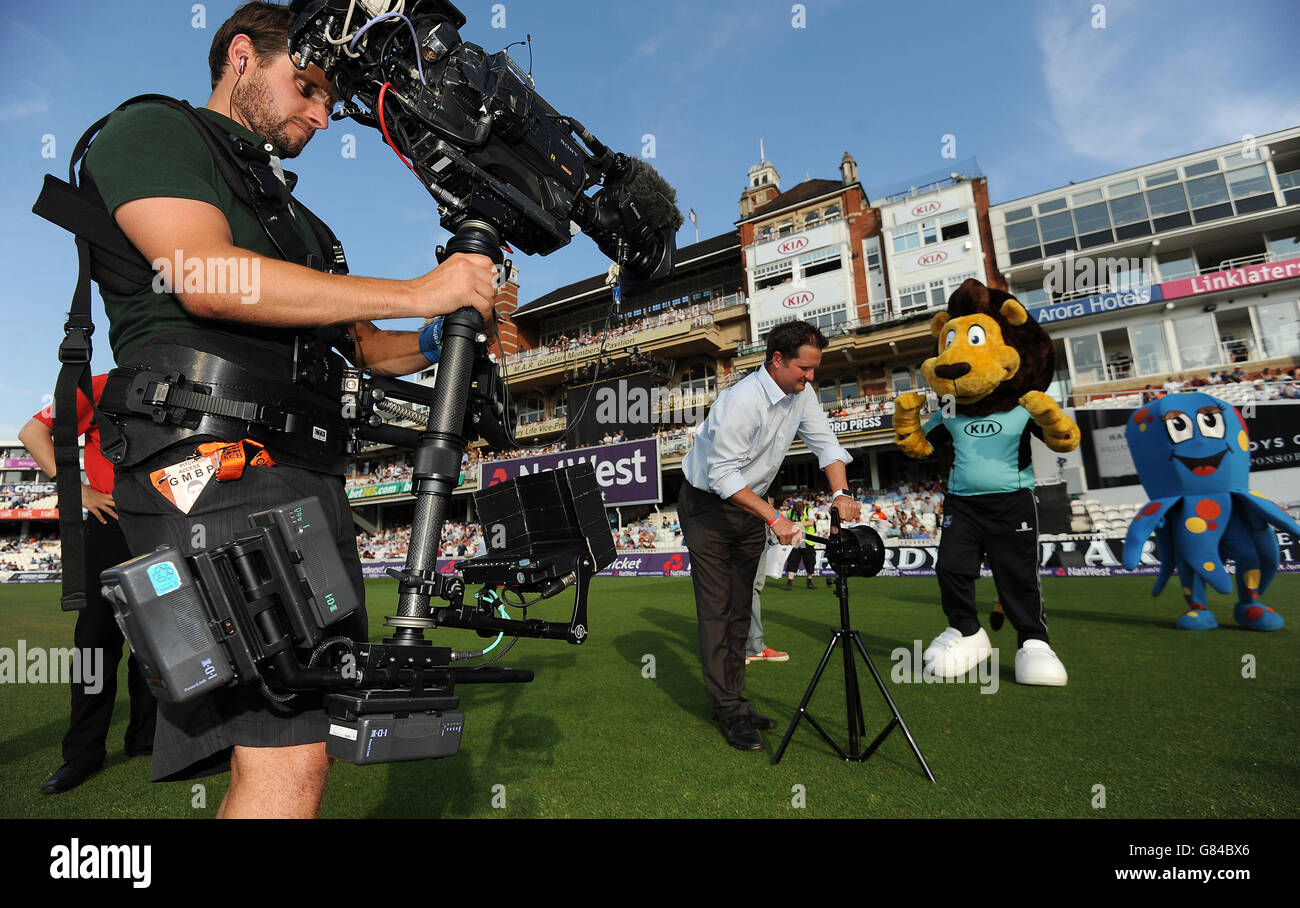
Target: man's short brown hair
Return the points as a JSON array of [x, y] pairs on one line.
[[267, 26]]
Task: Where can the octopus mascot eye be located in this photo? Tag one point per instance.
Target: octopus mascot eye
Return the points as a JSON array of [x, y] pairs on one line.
[[1193, 457]]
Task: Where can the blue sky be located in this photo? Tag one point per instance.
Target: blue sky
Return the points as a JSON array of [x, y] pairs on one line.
[[1034, 90]]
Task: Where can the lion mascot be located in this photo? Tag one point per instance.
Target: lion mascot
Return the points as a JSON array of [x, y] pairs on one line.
[[993, 364]]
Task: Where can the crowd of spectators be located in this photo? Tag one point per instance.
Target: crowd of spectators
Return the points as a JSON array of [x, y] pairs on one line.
[[910, 510], [1268, 384], [459, 540], [564, 342], [31, 553], [25, 495]]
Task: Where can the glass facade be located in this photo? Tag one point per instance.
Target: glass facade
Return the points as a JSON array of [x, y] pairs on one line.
[[1150, 353], [1198, 345]]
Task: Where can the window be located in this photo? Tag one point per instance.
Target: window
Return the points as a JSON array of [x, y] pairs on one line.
[[1198, 343], [1056, 227], [1283, 244], [1160, 179], [772, 274], [952, 226], [1115, 190], [1207, 191], [812, 220], [1020, 236], [1167, 200], [848, 388], [1086, 351], [1149, 353], [833, 213], [561, 407], [902, 379], [1195, 170], [911, 298], [1279, 329], [1085, 198], [820, 261], [532, 410], [1031, 296], [1249, 181], [1091, 218], [1175, 266], [699, 377], [826, 391], [1127, 209], [937, 297], [909, 238], [785, 229], [1053, 205], [765, 233], [1019, 214]]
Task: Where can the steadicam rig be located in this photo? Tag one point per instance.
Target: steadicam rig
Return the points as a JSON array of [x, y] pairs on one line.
[[480, 138]]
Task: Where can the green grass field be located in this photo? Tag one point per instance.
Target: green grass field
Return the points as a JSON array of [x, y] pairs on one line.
[[1163, 719]]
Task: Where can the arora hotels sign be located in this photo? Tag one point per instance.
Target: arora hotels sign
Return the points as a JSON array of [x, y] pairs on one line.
[[1092, 305]]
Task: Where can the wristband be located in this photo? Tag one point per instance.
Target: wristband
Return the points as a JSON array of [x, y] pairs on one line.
[[775, 518], [431, 340], [838, 492]]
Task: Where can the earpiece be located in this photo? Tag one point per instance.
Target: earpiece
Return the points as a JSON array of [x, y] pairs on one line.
[[243, 61]]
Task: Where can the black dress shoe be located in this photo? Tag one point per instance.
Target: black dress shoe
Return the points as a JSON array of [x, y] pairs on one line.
[[67, 777], [763, 722], [740, 734]]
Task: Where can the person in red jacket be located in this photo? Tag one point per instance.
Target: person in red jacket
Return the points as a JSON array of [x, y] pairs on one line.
[[84, 744]]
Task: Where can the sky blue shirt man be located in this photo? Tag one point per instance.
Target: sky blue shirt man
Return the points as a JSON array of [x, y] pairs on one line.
[[737, 453], [748, 433]]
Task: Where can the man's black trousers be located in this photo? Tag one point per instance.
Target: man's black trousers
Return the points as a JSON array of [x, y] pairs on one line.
[[725, 542], [92, 713], [801, 554], [1003, 526]]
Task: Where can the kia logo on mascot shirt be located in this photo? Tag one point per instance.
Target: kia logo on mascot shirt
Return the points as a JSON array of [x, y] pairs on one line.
[[932, 258], [797, 299], [794, 244], [982, 428], [926, 208]]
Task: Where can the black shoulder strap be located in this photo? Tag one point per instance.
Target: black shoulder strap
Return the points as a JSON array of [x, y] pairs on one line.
[[105, 254]]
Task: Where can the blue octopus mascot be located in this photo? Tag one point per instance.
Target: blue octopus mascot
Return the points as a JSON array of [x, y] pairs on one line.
[[1192, 454]]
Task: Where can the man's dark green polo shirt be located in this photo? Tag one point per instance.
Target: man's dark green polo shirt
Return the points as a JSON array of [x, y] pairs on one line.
[[150, 151]]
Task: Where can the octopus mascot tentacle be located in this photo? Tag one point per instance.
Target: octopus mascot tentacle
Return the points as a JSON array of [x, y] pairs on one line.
[[1192, 454], [992, 364]]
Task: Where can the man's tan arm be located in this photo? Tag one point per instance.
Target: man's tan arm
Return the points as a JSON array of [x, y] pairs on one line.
[[289, 295]]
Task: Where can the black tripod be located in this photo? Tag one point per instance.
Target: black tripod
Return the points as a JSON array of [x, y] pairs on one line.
[[852, 696]]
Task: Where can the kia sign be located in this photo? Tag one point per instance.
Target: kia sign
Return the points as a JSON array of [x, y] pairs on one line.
[[628, 472], [925, 208], [798, 299], [792, 245], [932, 258]]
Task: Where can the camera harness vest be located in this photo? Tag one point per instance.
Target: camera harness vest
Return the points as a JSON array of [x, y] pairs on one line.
[[168, 393]]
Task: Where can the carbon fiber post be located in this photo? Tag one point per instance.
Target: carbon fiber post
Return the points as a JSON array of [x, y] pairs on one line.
[[436, 462]]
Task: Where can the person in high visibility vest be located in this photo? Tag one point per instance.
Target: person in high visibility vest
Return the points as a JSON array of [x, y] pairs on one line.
[[801, 515]]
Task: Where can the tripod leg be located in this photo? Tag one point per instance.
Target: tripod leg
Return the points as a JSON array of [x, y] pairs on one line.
[[803, 704], [898, 718]]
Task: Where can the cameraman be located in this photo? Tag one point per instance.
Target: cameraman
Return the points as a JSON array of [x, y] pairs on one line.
[[159, 180]]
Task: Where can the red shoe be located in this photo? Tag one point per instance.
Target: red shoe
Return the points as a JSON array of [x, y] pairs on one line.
[[768, 655]]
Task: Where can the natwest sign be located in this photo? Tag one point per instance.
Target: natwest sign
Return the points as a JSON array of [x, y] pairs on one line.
[[930, 207], [798, 299], [932, 258], [791, 245], [1234, 277]]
